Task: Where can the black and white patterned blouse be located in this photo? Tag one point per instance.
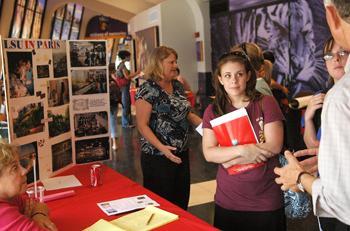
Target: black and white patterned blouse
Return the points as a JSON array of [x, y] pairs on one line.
[[168, 119]]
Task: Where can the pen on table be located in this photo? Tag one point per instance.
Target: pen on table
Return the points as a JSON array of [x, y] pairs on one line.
[[150, 219]]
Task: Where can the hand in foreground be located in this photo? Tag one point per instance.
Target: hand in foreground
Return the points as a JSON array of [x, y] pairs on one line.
[[166, 150], [44, 222], [289, 173], [315, 103], [252, 153], [310, 165]]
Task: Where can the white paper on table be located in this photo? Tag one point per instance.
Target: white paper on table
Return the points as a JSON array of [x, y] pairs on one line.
[[126, 204], [199, 129], [61, 182]]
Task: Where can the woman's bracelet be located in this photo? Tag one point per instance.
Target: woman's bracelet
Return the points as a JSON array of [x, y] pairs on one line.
[[37, 213]]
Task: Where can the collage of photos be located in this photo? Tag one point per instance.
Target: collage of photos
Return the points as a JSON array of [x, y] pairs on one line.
[[87, 53], [61, 154], [27, 153], [28, 120], [90, 124], [92, 150], [58, 92], [20, 74], [58, 121], [86, 82]]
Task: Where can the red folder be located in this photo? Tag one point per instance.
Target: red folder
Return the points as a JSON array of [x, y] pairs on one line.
[[232, 129]]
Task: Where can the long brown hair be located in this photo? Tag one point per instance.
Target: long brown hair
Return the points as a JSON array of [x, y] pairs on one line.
[[222, 100]]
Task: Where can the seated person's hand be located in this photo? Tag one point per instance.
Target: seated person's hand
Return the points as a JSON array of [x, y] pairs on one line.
[[44, 221]]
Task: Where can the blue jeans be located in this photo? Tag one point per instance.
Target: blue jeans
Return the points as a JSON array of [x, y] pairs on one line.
[[126, 103], [113, 119]]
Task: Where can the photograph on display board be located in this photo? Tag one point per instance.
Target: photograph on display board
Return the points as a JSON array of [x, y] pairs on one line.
[[146, 41], [89, 124], [92, 150], [43, 71], [20, 74], [58, 92], [59, 57], [28, 120], [27, 153], [61, 154], [87, 53], [58, 121], [86, 82]]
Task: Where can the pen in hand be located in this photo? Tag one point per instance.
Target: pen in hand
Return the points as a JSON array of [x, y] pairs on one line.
[[150, 219]]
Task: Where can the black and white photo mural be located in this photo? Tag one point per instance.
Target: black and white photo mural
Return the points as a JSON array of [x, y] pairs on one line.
[[294, 31]]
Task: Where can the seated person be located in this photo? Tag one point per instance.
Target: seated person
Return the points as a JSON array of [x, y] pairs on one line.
[[16, 211]]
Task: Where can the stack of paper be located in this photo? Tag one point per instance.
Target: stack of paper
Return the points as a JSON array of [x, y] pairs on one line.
[[143, 220], [126, 204]]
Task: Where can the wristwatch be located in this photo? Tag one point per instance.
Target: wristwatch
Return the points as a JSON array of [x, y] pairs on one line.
[[299, 184]]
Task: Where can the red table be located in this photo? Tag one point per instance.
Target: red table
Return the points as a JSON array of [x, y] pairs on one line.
[[80, 211]]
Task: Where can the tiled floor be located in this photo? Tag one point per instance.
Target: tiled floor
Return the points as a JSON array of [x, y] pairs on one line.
[[126, 160]]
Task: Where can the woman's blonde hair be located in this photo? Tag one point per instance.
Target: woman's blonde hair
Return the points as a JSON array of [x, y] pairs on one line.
[[268, 71], [254, 53], [7, 155], [154, 67]]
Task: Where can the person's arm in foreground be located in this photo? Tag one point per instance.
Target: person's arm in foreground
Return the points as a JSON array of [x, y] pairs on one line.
[[288, 174]]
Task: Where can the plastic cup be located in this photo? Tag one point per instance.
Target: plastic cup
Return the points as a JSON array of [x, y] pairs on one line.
[[39, 193]]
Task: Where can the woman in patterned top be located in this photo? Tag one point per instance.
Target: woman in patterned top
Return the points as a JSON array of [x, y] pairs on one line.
[[163, 116]]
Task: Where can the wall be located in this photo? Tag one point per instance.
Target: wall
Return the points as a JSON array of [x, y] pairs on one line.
[[178, 20]]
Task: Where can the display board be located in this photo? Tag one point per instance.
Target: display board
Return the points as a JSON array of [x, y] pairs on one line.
[[58, 105]]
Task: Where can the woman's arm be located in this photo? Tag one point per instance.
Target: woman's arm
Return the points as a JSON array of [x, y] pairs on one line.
[[310, 138], [130, 75], [240, 154], [143, 114], [273, 133], [194, 119]]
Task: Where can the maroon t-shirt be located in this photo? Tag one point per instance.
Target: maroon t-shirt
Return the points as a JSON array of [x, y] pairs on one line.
[[253, 190]]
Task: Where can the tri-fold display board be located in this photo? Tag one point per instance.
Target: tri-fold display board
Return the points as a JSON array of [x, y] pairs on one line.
[[57, 101]]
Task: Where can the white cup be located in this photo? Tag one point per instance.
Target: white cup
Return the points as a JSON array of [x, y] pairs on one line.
[[39, 193]]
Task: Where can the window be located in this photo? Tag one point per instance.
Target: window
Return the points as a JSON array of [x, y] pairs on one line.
[[27, 18], [66, 23]]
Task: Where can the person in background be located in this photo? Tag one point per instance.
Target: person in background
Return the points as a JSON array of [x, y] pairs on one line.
[[3, 116], [163, 117], [256, 57], [183, 81], [190, 95], [16, 211], [114, 100], [331, 190], [249, 200], [123, 79], [335, 58]]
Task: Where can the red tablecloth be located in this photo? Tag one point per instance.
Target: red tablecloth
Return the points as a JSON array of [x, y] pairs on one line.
[[81, 210]]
